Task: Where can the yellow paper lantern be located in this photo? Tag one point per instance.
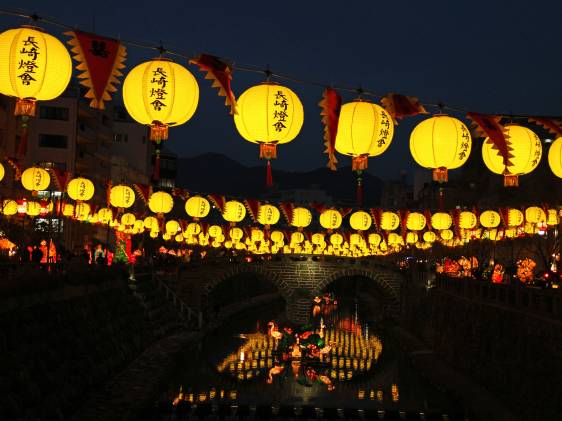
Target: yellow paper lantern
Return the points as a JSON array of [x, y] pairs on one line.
[[554, 157], [128, 219], [172, 226], [415, 221], [515, 217], [35, 179], [33, 208], [160, 93], [234, 211], [166, 236], [160, 202], [441, 221], [139, 225], [121, 196], [197, 207], [297, 237], [236, 233], [153, 234], [269, 115], [364, 129], [256, 235], [336, 240], [535, 215], [178, 238], [429, 236], [82, 211], [525, 148], [330, 219], [276, 236], [150, 222], [214, 231], [193, 228], [446, 234], [440, 143], [105, 215], [360, 221], [35, 66], [411, 238], [395, 239], [467, 220], [389, 221], [552, 217], [2, 172], [268, 215], [374, 239], [301, 218], [80, 189], [68, 209], [9, 207], [490, 219]]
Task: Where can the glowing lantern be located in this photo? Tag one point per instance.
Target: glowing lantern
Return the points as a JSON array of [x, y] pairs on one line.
[[256, 235], [389, 221], [269, 115], [276, 236], [166, 236], [105, 215], [330, 219], [374, 239], [360, 221], [197, 207], [552, 217], [429, 236], [150, 222], [514, 217], [193, 228], [35, 66], [467, 220], [554, 157], [121, 196], [35, 179], [178, 238], [415, 221], [139, 225], [301, 218], [214, 231], [535, 215], [33, 208], [411, 238], [236, 234], [394, 239], [440, 143], [172, 226], [82, 211], [490, 219], [446, 234], [526, 151], [160, 202], [441, 221], [268, 215], [68, 209], [364, 130], [9, 207], [80, 189], [336, 240], [2, 172], [160, 93], [128, 219], [234, 211], [297, 237]]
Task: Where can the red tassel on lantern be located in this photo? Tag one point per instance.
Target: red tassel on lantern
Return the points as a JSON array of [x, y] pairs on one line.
[[269, 177], [156, 174], [359, 191]]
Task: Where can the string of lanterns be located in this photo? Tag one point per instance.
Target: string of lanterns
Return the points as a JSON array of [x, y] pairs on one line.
[[161, 93], [376, 232]]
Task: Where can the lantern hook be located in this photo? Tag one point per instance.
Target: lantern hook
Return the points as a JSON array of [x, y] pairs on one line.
[[267, 72], [161, 49], [34, 17]]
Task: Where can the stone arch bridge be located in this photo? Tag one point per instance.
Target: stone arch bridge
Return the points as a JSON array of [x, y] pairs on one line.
[[298, 280]]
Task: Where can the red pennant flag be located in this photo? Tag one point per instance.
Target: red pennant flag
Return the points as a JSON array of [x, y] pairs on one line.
[[221, 74], [489, 125], [400, 106], [345, 211], [427, 214], [287, 210], [550, 124], [60, 177], [376, 213], [217, 200], [253, 207], [181, 193], [331, 107], [13, 162], [143, 191], [319, 207], [100, 59]]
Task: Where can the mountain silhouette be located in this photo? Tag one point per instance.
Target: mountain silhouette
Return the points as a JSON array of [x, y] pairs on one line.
[[217, 173]]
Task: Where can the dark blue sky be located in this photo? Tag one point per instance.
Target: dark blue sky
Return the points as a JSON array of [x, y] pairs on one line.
[[489, 56]]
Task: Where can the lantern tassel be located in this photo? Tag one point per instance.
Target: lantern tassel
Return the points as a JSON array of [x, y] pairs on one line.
[[268, 177], [359, 191], [156, 173], [22, 147]]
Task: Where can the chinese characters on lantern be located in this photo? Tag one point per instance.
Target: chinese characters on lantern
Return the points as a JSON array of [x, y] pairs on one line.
[[280, 112], [538, 151], [28, 62], [385, 130], [465, 142], [158, 92]]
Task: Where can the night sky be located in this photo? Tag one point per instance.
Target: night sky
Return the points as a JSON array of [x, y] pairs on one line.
[[488, 56]]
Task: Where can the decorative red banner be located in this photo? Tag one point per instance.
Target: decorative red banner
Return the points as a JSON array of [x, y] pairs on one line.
[[61, 178], [376, 213], [319, 207], [217, 200], [221, 74], [108, 194], [550, 124], [489, 125], [100, 60], [253, 207], [181, 193], [143, 191], [400, 106], [331, 106], [287, 211], [13, 162], [427, 214]]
